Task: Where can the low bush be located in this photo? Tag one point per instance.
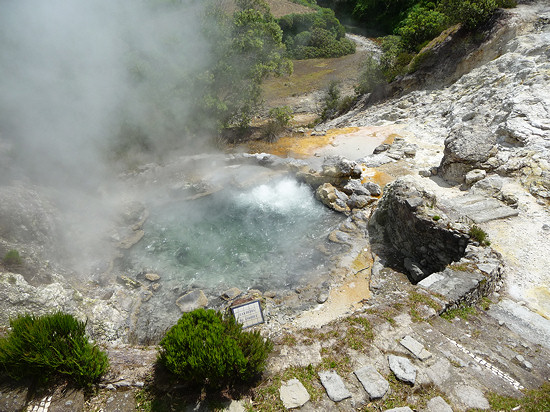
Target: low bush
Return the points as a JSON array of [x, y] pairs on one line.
[[315, 35], [471, 13], [479, 235], [40, 347], [12, 258], [371, 77], [279, 119], [421, 25], [333, 102], [206, 348]]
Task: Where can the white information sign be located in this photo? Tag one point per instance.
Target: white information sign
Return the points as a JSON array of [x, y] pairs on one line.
[[248, 314]]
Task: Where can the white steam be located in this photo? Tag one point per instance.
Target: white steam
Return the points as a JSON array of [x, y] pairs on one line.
[[75, 75]]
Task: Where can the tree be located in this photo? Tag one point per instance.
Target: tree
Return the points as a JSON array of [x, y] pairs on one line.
[[246, 49]]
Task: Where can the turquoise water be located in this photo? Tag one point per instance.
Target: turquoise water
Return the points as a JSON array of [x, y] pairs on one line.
[[268, 237]]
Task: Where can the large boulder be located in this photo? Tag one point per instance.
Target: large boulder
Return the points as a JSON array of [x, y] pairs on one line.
[[466, 149]]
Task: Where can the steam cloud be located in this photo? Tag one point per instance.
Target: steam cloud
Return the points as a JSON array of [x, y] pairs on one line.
[[74, 72], [75, 75]]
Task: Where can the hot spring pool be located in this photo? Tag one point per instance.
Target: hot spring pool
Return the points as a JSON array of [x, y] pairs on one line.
[[270, 237]]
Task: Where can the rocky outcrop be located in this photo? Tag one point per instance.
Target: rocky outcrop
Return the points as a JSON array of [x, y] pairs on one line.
[[412, 225]]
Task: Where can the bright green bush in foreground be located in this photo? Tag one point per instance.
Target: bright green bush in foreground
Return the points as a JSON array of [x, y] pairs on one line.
[[40, 347], [206, 348]]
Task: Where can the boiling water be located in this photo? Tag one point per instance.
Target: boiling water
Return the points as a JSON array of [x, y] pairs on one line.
[[268, 237]]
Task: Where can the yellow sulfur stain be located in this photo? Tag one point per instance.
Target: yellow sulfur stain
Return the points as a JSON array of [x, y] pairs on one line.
[[540, 300], [299, 146]]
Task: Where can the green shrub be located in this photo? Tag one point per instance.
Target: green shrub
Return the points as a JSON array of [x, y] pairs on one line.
[[395, 57], [371, 77], [280, 118], [12, 257], [206, 348], [471, 13], [315, 35], [421, 24], [39, 347], [479, 235]]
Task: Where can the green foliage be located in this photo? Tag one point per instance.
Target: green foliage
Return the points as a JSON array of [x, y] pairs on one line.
[[206, 348], [471, 13], [315, 35], [39, 347], [436, 217], [280, 118], [463, 312], [535, 400], [421, 24], [507, 4], [479, 235], [359, 332], [383, 14], [248, 49], [371, 77], [12, 258], [333, 102], [395, 57]]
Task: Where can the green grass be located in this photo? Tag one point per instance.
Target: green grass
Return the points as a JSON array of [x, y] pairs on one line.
[[463, 312], [535, 400], [479, 235], [359, 333]]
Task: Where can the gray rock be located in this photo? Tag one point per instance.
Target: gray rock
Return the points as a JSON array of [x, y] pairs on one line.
[[438, 404], [192, 300], [373, 188], [452, 284], [332, 198], [400, 409], [231, 293], [381, 148], [355, 186], [466, 148], [402, 368], [474, 176], [415, 347], [334, 385], [359, 201], [414, 270], [522, 321], [322, 297], [152, 277], [293, 394], [375, 385], [471, 397], [338, 166]]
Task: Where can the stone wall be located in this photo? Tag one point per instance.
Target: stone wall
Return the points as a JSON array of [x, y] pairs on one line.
[[412, 225]]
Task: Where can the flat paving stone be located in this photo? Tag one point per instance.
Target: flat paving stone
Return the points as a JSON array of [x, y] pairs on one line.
[[375, 384], [452, 284], [438, 404], [334, 385], [402, 368], [471, 397], [479, 209], [415, 347], [293, 394]]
